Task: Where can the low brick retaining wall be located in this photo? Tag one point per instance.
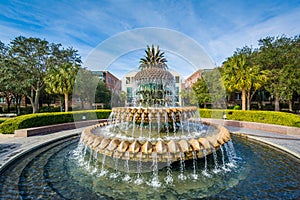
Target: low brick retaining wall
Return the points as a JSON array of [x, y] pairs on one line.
[[286, 130], [54, 128]]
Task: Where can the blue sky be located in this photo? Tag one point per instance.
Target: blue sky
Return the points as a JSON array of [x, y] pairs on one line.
[[219, 27]]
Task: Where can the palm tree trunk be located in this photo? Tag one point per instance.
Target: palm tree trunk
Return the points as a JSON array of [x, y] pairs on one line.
[[66, 102], [243, 99], [248, 100]]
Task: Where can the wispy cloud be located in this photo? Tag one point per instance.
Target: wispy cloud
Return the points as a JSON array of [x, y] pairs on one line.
[[218, 28]]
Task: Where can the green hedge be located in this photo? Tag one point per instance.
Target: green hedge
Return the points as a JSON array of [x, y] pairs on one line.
[[268, 117], [43, 119], [2, 120]]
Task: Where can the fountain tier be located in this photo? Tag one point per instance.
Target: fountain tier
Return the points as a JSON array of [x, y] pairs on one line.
[[164, 149]]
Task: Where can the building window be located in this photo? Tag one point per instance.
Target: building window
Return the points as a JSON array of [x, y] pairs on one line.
[[177, 91], [238, 96], [129, 92], [127, 80], [177, 79]]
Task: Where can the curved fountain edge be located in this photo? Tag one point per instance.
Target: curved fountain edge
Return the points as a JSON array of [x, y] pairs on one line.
[[32, 146], [261, 140], [162, 149]]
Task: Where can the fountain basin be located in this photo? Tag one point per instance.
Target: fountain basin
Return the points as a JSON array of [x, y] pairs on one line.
[[163, 150]]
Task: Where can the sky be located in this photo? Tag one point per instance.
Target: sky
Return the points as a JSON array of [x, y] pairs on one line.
[[113, 34]]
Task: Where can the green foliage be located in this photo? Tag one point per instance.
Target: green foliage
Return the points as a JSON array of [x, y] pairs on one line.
[[103, 94], [268, 117], [43, 119], [85, 87], [2, 120], [153, 58], [237, 107]]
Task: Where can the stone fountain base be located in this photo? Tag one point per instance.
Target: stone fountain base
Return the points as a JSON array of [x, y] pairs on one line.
[[162, 150]]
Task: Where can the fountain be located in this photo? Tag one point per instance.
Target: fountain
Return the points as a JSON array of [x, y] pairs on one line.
[[154, 130], [153, 150]]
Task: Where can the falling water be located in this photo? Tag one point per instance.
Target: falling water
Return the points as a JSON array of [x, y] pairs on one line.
[[127, 178], [188, 123], [111, 118], [139, 179], [181, 122], [205, 172], [231, 148], [229, 154], [194, 175], [150, 124], [216, 170], [167, 124], [181, 176], [141, 125], [127, 123], [155, 181], [174, 123], [103, 170], [158, 124], [169, 177], [133, 125], [88, 166], [223, 159], [115, 174]]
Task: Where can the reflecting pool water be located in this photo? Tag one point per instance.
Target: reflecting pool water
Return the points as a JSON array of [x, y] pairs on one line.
[[57, 171]]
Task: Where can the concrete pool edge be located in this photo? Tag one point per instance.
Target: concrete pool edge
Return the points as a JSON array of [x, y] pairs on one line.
[[276, 146], [20, 152]]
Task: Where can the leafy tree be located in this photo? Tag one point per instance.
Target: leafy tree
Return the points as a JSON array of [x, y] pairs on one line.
[[4, 85], [153, 58], [63, 68], [85, 87], [32, 56], [202, 92], [12, 85], [103, 95], [279, 56], [209, 88], [215, 86]]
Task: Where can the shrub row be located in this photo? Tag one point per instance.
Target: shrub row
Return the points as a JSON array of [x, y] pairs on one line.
[[2, 120], [268, 117], [43, 119]]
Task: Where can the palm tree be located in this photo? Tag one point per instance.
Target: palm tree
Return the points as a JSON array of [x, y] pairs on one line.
[[153, 58], [238, 76], [61, 81]]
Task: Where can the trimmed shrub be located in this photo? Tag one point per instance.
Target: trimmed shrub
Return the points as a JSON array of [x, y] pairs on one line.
[[43, 119], [268, 117], [3, 120]]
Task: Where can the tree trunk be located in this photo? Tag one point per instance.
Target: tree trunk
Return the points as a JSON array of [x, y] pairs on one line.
[[248, 100], [66, 102], [243, 99], [277, 107], [291, 105], [8, 102], [36, 101], [82, 104]]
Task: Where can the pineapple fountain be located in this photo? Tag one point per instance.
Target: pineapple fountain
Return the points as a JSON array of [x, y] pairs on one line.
[[154, 128]]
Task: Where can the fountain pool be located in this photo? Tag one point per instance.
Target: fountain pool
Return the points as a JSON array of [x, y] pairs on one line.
[[57, 171]]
